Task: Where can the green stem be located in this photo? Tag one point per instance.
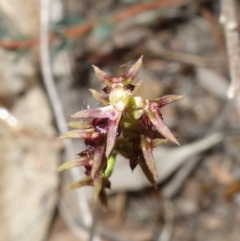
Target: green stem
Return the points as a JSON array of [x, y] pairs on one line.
[[110, 165]]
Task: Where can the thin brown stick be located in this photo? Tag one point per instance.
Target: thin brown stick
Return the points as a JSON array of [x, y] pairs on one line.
[[15, 44], [166, 233], [214, 29], [59, 118], [84, 28], [229, 20], [157, 49], [145, 6]]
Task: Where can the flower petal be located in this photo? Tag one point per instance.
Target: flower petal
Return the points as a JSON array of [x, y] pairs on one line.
[[167, 99], [146, 144], [97, 159], [131, 74], [103, 112], [99, 97], [147, 172], [102, 76], [82, 161], [113, 125], [86, 181], [160, 126], [88, 133], [98, 179], [79, 124]]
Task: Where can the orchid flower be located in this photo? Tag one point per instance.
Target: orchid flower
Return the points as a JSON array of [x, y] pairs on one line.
[[127, 125]]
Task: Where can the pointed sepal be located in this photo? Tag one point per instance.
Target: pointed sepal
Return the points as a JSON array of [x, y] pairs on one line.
[[168, 99], [102, 76], [88, 133], [99, 97], [102, 112], [131, 74], [98, 184], [147, 172], [146, 145], [98, 159], [160, 126], [86, 181], [80, 124], [82, 161], [113, 125]]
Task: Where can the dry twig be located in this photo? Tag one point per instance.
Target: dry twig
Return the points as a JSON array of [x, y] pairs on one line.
[[229, 20], [166, 233], [157, 49], [84, 28], [59, 114], [214, 29]]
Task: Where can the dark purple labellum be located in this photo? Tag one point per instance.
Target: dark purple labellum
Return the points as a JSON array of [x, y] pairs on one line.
[[136, 147], [100, 125], [88, 170], [146, 122], [130, 87], [133, 162], [106, 90], [90, 143]]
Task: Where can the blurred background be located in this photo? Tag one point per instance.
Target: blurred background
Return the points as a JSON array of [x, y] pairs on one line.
[[190, 47]]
